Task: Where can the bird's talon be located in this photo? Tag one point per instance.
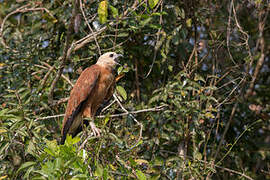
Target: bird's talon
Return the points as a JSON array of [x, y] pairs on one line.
[[95, 130]]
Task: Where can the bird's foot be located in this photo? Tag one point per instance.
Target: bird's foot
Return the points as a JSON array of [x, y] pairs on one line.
[[95, 130]]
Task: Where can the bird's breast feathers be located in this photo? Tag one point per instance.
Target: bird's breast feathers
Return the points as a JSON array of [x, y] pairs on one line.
[[106, 78]]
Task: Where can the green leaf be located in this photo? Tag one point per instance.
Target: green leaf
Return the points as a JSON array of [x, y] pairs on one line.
[[140, 175], [120, 69], [123, 34], [170, 67], [159, 13], [3, 112], [80, 176], [74, 178], [28, 172], [155, 177], [53, 148], [71, 141], [75, 140], [146, 21], [122, 92], [152, 3], [158, 162], [114, 11], [4, 147], [197, 155], [119, 141], [189, 22], [107, 118], [199, 78], [105, 174], [42, 173], [26, 165], [103, 11], [155, 26], [30, 148], [2, 131], [132, 162], [99, 171]]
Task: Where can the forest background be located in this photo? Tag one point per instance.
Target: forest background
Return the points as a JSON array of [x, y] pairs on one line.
[[193, 102]]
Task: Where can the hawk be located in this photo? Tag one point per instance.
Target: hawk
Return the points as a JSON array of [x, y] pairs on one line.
[[94, 87]]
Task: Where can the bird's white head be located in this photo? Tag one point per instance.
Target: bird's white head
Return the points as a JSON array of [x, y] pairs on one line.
[[109, 59]]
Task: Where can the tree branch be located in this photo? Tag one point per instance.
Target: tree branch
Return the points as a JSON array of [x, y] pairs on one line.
[[95, 38], [22, 9], [155, 109], [66, 51], [262, 48]]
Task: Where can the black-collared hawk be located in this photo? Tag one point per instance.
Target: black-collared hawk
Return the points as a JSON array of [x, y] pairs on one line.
[[94, 86]]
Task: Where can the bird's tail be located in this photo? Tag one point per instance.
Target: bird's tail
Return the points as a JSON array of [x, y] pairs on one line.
[[63, 138]]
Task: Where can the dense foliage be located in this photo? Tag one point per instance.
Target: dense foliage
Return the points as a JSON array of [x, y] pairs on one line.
[[193, 102]]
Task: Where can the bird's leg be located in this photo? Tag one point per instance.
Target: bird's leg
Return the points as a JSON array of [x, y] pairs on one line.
[[95, 130]]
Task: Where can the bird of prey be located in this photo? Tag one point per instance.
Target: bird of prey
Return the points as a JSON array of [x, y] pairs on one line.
[[94, 87]]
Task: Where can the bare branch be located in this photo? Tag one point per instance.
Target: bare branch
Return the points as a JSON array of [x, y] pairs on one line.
[[126, 111], [63, 76], [44, 80], [262, 48], [66, 51], [22, 9], [95, 38], [158, 108], [229, 31], [157, 46], [90, 37], [55, 103], [211, 163]]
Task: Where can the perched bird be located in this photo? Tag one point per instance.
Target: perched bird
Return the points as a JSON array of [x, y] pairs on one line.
[[94, 87]]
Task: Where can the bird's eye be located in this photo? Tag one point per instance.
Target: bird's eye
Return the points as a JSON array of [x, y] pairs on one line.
[[111, 55]]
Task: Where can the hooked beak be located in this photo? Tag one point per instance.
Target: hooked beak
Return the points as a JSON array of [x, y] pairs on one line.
[[116, 59]]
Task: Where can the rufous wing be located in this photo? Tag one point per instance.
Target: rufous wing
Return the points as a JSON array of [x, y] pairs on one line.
[[78, 96]]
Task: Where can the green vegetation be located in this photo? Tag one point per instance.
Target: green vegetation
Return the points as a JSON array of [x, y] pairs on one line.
[[194, 101]]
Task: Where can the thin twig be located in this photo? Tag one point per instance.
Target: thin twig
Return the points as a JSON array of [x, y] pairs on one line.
[[225, 130], [49, 67], [128, 113], [90, 37], [55, 103], [229, 31], [66, 51], [158, 108], [10, 14], [62, 75], [22, 9], [262, 48], [137, 82], [231, 147], [157, 46], [44, 80], [217, 166], [117, 45], [126, 166], [86, 140], [94, 35], [50, 117], [104, 109], [232, 91]]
